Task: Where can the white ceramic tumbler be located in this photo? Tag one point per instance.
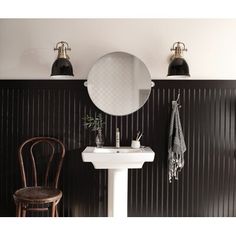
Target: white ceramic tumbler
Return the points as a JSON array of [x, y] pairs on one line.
[[135, 144]]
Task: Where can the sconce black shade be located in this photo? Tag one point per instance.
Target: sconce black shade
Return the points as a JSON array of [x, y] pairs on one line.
[[62, 66], [178, 66]]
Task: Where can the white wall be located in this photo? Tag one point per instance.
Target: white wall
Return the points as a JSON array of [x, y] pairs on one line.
[[26, 45]]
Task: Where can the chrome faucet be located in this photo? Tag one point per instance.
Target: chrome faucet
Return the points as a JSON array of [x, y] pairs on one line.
[[117, 138]]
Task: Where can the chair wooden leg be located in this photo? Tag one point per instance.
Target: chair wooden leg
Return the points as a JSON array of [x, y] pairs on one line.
[[53, 209], [23, 211], [57, 211], [18, 209]]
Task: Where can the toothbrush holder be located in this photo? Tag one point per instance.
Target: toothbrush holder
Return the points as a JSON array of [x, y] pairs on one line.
[[135, 144]]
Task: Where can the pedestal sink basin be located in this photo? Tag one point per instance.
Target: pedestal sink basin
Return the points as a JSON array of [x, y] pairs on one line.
[[117, 161], [117, 158]]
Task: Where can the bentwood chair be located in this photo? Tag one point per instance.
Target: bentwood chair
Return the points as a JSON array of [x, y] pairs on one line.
[[40, 160]]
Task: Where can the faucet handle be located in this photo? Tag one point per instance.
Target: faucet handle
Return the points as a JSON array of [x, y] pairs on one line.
[[117, 138]]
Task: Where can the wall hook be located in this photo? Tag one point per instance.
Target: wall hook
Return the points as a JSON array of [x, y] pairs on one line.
[[178, 97]]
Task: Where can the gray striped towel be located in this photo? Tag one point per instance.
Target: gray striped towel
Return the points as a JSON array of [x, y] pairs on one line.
[[176, 144]]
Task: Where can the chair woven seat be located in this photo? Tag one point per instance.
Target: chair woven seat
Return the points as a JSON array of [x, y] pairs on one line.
[[38, 194]]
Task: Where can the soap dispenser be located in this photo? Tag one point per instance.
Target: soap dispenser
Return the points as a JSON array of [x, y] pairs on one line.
[[117, 138]]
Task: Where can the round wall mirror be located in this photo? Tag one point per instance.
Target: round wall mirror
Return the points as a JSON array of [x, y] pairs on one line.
[[119, 83]]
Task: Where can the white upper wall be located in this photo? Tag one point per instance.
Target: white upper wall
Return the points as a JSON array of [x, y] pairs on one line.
[[26, 45]]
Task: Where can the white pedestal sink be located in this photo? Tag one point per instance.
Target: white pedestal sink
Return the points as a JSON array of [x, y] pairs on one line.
[[117, 161]]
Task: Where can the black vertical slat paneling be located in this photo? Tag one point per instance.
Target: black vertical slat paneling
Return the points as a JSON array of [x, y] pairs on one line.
[[207, 154], [231, 153], [2, 179], [192, 147], [225, 156], [162, 163], [218, 164], [198, 143], [206, 185], [213, 153], [12, 142], [202, 153], [233, 149], [156, 168], [227, 150], [167, 186], [188, 145], [216, 178], [6, 141], [154, 179], [181, 213]]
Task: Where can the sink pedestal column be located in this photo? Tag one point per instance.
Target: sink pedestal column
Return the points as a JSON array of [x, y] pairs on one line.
[[117, 192]]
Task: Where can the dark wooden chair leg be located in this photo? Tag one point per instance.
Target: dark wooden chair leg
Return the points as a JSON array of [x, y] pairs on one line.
[[53, 209], [23, 211], [18, 209], [57, 212]]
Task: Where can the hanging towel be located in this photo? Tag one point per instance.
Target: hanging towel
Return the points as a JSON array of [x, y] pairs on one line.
[[176, 144]]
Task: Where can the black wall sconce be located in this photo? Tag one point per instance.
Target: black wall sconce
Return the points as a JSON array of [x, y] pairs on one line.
[[62, 67], [178, 66]]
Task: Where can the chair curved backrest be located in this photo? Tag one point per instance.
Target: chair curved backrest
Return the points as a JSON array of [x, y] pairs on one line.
[[28, 147]]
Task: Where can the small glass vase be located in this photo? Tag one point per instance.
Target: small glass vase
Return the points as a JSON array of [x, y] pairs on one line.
[[99, 139]]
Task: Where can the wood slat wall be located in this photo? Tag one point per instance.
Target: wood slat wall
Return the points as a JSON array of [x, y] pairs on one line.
[[206, 185]]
